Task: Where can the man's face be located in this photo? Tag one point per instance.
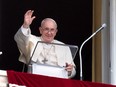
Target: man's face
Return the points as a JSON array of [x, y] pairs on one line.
[[48, 31]]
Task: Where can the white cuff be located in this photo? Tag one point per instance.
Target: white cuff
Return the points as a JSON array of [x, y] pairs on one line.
[[25, 31]]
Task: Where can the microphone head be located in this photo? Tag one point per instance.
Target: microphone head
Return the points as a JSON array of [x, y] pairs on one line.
[[104, 25], [0, 53]]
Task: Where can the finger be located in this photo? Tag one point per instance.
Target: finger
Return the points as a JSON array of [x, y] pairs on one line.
[[69, 67], [28, 12], [66, 64], [33, 17], [31, 12]]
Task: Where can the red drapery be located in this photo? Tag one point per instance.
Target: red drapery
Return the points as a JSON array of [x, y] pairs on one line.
[[31, 80]]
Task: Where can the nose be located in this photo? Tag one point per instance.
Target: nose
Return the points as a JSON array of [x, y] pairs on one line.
[[49, 32]]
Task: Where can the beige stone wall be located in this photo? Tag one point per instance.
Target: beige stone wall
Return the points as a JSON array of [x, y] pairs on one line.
[[96, 42]]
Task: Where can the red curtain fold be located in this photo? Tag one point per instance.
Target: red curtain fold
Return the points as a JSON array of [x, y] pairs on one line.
[[32, 80]]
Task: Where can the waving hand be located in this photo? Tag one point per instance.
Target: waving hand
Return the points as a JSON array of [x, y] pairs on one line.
[[28, 18]]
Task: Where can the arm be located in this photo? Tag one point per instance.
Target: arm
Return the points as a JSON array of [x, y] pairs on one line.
[[64, 56], [70, 66], [22, 36], [25, 30]]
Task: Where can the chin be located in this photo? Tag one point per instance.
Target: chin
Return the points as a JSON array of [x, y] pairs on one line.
[[48, 41]]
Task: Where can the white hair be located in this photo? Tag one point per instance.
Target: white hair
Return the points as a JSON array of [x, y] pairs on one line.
[[48, 19]]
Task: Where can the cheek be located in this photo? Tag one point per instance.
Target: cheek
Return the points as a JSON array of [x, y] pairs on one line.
[[55, 34], [41, 32]]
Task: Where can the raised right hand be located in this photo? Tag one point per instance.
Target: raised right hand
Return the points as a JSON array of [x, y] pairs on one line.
[[28, 18]]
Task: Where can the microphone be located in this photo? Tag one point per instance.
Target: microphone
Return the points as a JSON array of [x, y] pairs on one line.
[[102, 27], [0, 52]]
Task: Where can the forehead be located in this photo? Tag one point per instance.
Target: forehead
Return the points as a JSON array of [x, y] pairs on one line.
[[49, 23]]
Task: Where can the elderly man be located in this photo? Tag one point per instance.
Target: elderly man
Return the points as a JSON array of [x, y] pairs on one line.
[[45, 54]]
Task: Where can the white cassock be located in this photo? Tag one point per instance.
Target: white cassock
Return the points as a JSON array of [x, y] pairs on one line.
[[53, 54]]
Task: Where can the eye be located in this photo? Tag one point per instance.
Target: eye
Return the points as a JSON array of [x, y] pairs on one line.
[[52, 30], [49, 30], [46, 29]]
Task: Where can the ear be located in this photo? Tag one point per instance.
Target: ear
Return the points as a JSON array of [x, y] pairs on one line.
[[56, 30], [40, 30]]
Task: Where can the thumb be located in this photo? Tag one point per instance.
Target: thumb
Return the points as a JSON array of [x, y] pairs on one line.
[[66, 64]]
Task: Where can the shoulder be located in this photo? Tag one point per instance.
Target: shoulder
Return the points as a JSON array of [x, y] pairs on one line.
[[34, 38]]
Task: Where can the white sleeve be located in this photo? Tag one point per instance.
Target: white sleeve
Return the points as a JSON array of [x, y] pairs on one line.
[[25, 31]]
